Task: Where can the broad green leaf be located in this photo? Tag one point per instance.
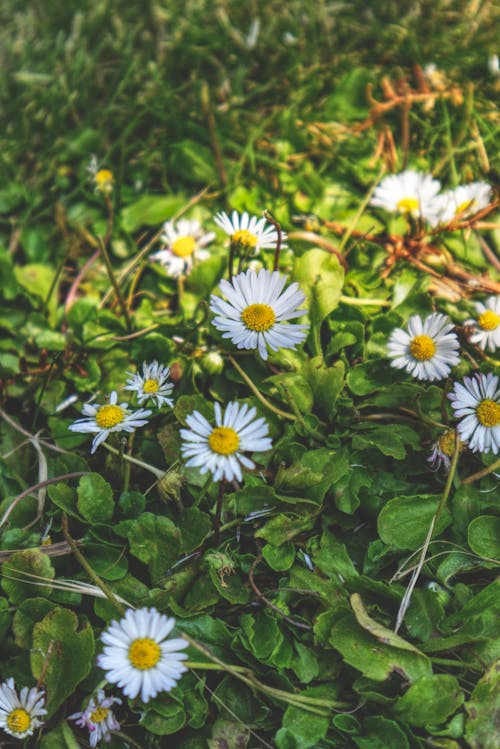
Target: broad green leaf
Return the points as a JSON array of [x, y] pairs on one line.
[[195, 527], [28, 613], [424, 613], [63, 650], [303, 727], [170, 720], [430, 700], [321, 277], [404, 521], [150, 210], [375, 659], [229, 734], [484, 536], [326, 383], [95, 498], [279, 558], [481, 730], [381, 733], [156, 541], [19, 572]]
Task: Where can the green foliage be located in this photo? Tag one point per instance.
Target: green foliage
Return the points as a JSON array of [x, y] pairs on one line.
[[293, 591]]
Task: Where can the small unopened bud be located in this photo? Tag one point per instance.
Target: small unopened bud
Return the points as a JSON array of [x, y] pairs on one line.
[[212, 362], [169, 486]]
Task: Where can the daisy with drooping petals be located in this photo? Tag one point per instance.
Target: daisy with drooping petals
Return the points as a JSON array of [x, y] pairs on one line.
[[462, 202], [428, 350], [184, 243], [98, 718], [487, 326], [20, 713], [138, 657], [477, 404], [220, 449], [409, 192], [249, 232], [151, 384], [256, 313], [442, 451], [109, 418]]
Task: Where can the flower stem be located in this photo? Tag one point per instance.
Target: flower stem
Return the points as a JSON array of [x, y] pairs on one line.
[[218, 511], [88, 569], [483, 472], [152, 469], [114, 283], [277, 251], [362, 302], [258, 394]]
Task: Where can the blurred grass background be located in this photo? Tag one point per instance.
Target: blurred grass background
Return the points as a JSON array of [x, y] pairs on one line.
[[141, 84]]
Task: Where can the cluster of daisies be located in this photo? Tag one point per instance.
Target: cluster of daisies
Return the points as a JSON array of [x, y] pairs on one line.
[[418, 195], [138, 656], [429, 348]]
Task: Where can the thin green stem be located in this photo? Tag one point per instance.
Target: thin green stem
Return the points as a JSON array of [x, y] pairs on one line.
[[258, 394], [127, 464], [311, 704], [114, 283], [483, 472], [218, 510], [277, 251], [147, 466], [88, 569], [364, 302], [442, 503]]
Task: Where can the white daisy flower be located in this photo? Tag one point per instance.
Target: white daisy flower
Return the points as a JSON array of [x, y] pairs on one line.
[[477, 404], [220, 449], [20, 713], [109, 418], [98, 718], [138, 657], [255, 315], [462, 202], [184, 242], [249, 232], [409, 192], [442, 451], [151, 384], [428, 350], [487, 326]]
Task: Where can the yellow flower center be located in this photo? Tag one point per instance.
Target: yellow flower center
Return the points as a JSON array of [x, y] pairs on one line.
[[465, 206], [224, 441], [18, 721], [258, 317], [151, 386], [244, 237], [422, 348], [447, 442], [109, 416], [99, 714], [488, 413], [144, 653], [489, 320], [183, 246], [104, 180], [408, 205]]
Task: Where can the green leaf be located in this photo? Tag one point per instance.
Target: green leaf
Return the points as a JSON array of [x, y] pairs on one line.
[[306, 729], [483, 536], [326, 384], [170, 720], [95, 498], [381, 733], [424, 613], [375, 659], [64, 497], [382, 633], [35, 278], [282, 528], [156, 541], [195, 527], [321, 278], [404, 521], [63, 650], [28, 613], [229, 735], [150, 210], [481, 730], [279, 558], [430, 700], [390, 440], [18, 572]]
